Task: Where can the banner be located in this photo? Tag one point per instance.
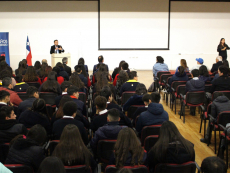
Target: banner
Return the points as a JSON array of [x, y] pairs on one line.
[[4, 46]]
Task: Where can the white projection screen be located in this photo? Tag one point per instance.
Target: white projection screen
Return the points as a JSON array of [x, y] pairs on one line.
[[133, 24]]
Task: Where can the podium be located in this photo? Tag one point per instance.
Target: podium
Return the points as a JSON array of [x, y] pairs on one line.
[[55, 58]]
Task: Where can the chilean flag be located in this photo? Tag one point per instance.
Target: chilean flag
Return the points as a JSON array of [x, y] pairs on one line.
[[28, 53]]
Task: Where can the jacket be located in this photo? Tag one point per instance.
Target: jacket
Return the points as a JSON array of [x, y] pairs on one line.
[[154, 115], [14, 98], [130, 85], [64, 74], [134, 100], [178, 77], [52, 49], [205, 78], [195, 85], [86, 69], [220, 104], [138, 113], [216, 66], [21, 87], [222, 83], [159, 67], [25, 105], [222, 53], [67, 69], [83, 79]]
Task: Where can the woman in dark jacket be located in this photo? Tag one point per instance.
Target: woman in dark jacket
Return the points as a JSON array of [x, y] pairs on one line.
[[222, 49], [171, 147], [180, 75], [36, 115], [204, 74], [27, 150]]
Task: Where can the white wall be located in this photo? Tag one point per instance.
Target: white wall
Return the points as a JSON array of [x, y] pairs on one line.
[[196, 29]]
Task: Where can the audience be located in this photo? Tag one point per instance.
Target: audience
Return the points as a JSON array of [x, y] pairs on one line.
[[131, 84], [37, 65], [21, 69], [81, 61], [204, 74], [159, 66], [4, 98], [101, 61], [65, 66], [78, 70], [76, 81], [20, 86], [180, 75], [171, 147], [64, 86], [200, 62], [216, 65], [183, 63], [62, 72], [31, 75], [213, 164]]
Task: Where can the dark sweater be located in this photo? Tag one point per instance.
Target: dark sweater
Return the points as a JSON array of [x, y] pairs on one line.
[[138, 113], [67, 69], [220, 104], [130, 85], [216, 66], [21, 87], [83, 79], [222, 83], [195, 85], [25, 105], [178, 77]]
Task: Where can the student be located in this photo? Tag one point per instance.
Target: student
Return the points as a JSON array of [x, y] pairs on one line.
[[65, 66], [42, 71], [131, 84], [121, 79], [62, 72], [127, 150], [81, 61], [51, 164], [200, 62], [183, 63], [71, 149], [124, 67], [136, 99], [32, 93], [159, 66], [21, 69], [64, 86], [7, 73], [31, 75], [195, 84], [36, 115], [20, 86], [27, 150], [154, 115], [4, 98], [171, 147], [60, 79], [69, 110], [180, 75], [37, 65], [9, 128], [204, 74], [100, 61], [213, 165], [117, 69], [78, 71], [76, 81]]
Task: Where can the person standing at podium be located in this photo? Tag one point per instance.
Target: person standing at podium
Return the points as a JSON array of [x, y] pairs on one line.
[[56, 48]]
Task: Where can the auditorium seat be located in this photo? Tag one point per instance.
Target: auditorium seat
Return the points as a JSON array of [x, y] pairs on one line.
[[23, 95], [19, 168], [134, 169], [105, 149], [150, 141], [149, 130], [77, 169]]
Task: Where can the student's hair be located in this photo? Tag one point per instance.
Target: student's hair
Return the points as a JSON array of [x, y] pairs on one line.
[[195, 73], [31, 90], [81, 61], [30, 75], [5, 73], [72, 89], [100, 58], [141, 89], [70, 108], [122, 77], [125, 66], [44, 61], [114, 114], [225, 63], [2, 58], [106, 92], [38, 134], [64, 60], [81, 67], [100, 102], [71, 148], [55, 69], [146, 98], [76, 81], [37, 65], [124, 170], [55, 40], [224, 70], [169, 134], [160, 60], [6, 81], [127, 142], [39, 105], [51, 165], [181, 70], [51, 85], [64, 99], [203, 71], [183, 63], [21, 67], [77, 68], [102, 80], [65, 84], [3, 94], [155, 97], [18, 78], [3, 65], [60, 65], [43, 70], [120, 64], [132, 74], [5, 111], [24, 61], [213, 164]]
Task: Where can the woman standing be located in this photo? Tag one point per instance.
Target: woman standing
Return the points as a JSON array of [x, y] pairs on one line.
[[222, 49]]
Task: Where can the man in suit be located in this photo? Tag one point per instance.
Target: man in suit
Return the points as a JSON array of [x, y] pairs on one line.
[[216, 65], [66, 68], [101, 61], [56, 48]]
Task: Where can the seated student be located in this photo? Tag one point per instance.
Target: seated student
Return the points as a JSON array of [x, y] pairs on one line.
[[73, 92], [9, 128], [65, 66], [127, 150], [101, 119], [180, 75], [76, 81], [183, 63], [20, 86], [117, 69], [124, 67], [64, 86], [204, 74], [21, 68], [81, 61], [136, 99], [154, 115], [42, 71], [4, 98], [7, 73], [213, 164], [37, 65], [31, 75], [78, 71], [101, 61], [216, 65], [131, 84], [51, 164], [171, 147], [60, 79], [27, 150], [226, 64], [102, 69], [159, 66], [109, 130], [51, 85], [7, 86], [36, 115], [220, 104], [121, 79], [62, 72], [69, 110], [200, 62], [222, 83], [33, 94]]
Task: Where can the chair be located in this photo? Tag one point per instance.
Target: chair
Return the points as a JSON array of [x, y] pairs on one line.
[[126, 95], [149, 130], [176, 94], [52, 146], [194, 99], [163, 78], [23, 95], [150, 141], [105, 150], [204, 116], [208, 87], [167, 87], [215, 94], [159, 73], [188, 167], [173, 90], [49, 97], [132, 109], [134, 169], [19, 168], [4, 149], [78, 169], [35, 84]]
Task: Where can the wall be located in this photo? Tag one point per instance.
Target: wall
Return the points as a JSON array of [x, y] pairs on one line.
[[195, 31]]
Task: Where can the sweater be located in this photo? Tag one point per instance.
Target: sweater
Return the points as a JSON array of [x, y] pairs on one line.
[[178, 77], [14, 98], [220, 104], [21, 87], [195, 85], [222, 83]]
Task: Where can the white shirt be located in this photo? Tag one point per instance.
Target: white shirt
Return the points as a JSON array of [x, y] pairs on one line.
[[3, 103], [195, 78], [63, 93], [66, 116], [103, 112]]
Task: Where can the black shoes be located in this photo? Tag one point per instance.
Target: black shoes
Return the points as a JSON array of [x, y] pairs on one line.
[[204, 140]]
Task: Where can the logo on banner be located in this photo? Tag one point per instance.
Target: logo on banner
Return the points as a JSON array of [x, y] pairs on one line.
[[3, 42]]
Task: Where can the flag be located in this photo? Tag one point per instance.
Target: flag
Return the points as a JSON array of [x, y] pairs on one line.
[[28, 53]]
